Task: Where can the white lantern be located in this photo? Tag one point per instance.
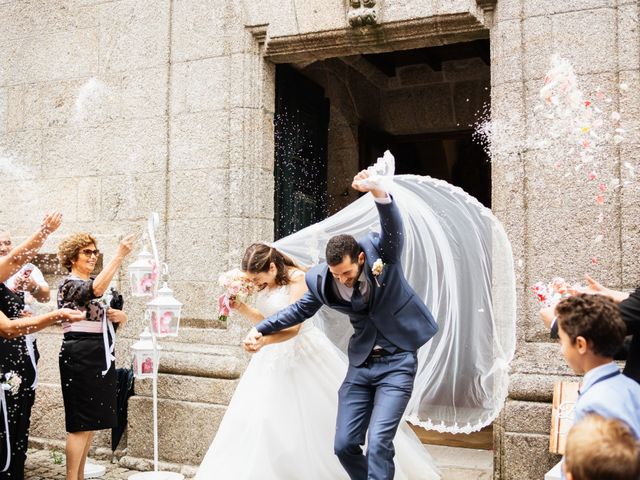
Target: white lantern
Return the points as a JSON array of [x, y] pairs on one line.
[[144, 356], [143, 274], [164, 313]]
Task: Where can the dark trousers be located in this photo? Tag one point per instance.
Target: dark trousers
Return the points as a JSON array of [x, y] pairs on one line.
[[19, 413], [373, 398], [14, 358]]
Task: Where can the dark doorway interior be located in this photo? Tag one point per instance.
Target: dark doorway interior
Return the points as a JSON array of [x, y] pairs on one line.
[[336, 116], [301, 126], [451, 156]]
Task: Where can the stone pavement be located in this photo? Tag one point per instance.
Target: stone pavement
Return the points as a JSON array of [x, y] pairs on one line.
[[454, 463], [50, 465]]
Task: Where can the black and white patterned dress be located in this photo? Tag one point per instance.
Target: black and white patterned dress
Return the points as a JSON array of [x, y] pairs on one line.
[[89, 393]]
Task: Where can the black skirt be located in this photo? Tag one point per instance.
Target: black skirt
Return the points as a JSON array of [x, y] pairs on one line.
[[89, 397]]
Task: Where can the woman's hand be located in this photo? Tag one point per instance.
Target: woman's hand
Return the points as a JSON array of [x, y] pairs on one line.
[[547, 315], [126, 245], [50, 223], [596, 288], [26, 284], [236, 304], [71, 315], [117, 316]]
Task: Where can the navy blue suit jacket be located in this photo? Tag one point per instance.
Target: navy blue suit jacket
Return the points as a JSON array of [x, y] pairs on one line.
[[394, 308]]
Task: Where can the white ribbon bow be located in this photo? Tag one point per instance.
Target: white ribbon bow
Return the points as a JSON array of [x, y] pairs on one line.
[[3, 403], [107, 327], [29, 339]]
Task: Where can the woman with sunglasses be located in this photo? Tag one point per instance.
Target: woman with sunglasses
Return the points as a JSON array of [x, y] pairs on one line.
[[87, 364]]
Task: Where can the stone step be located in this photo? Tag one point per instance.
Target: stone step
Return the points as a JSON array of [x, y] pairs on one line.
[[189, 389], [202, 360], [185, 429], [457, 463], [210, 335]]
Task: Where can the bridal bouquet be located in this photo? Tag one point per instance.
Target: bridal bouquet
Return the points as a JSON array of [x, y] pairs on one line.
[[549, 294], [237, 287], [11, 382]]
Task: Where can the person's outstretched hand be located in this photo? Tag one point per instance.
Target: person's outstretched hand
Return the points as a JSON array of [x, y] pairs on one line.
[[50, 223], [71, 315], [547, 314], [596, 288], [356, 185], [126, 245]]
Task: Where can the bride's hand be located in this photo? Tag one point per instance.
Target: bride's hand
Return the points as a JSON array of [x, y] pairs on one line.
[[251, 342], [235, 303]]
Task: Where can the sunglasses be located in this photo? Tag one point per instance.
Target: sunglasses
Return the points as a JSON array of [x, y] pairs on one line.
[[88, 252]]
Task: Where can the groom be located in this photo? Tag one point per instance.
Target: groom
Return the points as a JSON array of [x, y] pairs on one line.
[[365, 281]]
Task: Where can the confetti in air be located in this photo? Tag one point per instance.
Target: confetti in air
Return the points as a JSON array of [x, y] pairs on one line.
[[575, 132]]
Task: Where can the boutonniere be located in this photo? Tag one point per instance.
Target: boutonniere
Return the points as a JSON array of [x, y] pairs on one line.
[[376, 269]]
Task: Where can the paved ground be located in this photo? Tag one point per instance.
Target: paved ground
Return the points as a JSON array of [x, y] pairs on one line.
[[49, 465], [454, 463]]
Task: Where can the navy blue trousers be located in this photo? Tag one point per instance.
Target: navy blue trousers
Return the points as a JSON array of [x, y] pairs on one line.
[[373, 398]]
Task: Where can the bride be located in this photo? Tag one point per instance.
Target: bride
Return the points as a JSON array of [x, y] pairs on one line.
[[280, 422]]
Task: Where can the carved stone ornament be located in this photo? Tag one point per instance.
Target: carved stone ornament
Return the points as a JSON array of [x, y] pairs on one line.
[[487, 5], [362, 13]]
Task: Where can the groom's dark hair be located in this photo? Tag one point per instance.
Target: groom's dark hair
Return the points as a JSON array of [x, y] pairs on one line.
[[340, 246]]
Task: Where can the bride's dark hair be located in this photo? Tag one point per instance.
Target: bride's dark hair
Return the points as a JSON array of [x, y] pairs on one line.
[[258, 257]]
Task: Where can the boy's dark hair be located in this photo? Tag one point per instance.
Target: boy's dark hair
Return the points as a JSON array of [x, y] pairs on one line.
[[340, 246], [594, 317]]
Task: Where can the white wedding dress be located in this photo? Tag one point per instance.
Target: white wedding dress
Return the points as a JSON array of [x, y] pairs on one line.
[[281, 420]]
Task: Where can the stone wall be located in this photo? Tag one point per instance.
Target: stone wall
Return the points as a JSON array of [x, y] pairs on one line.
[[550, 217]]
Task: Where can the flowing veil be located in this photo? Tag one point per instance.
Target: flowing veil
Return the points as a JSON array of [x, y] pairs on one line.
[[458, 259]]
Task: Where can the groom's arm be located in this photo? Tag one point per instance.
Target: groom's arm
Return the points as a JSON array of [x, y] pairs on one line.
[[392, 230], [295, 313]]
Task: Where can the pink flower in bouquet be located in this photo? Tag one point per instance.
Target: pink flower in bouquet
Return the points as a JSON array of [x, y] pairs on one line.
[[237, 287], [223, 308]]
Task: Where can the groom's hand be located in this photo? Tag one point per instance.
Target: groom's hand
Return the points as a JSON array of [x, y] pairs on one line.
[[356, 185], [252, 341]]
